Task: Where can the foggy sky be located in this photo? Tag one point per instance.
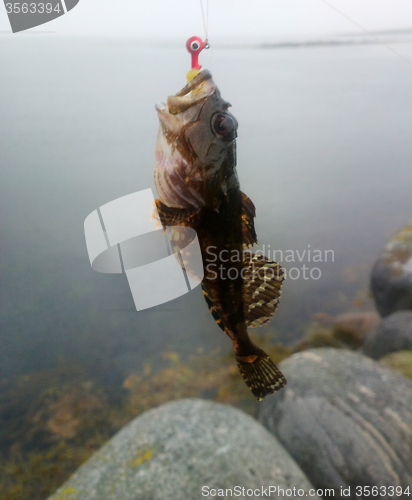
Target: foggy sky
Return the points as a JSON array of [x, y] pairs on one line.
[[228, 19]]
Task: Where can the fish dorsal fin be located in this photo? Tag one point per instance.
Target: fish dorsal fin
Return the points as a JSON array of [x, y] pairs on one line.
[[249, 237], [261, 289], [170, 216]]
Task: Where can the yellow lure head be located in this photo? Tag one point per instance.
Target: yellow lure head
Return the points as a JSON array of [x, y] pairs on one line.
[[191, 74]]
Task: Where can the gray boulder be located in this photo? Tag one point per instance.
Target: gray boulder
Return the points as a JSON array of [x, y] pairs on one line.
[[174, 451], [345, 419], [393, 334], [391, 278]]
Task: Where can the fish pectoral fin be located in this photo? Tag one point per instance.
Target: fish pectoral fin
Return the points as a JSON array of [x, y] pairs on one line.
[[261, 289], [249, 237], [170, 216]]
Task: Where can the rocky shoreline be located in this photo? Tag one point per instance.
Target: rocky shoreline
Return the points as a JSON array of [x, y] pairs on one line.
[[344, 421]]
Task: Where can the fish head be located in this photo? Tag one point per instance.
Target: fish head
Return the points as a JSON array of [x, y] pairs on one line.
[[196, 145]]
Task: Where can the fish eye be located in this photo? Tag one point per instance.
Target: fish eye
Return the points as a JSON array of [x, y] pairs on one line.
[[195, 45], [224, 126]]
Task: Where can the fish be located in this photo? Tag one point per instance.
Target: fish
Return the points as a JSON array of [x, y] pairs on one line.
[[198, 187]]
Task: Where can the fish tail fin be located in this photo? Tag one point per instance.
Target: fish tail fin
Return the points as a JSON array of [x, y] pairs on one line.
[[260, 373]]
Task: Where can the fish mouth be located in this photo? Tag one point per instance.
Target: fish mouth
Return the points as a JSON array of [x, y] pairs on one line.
[[200, 87], [195, 82]]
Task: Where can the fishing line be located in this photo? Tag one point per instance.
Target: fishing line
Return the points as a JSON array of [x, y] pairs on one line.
[[365, 30], [205, 18]]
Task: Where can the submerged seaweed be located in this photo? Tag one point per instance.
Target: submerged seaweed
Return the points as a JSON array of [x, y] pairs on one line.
[[52, 421]]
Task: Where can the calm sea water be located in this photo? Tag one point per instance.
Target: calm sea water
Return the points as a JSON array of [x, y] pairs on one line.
[[324, 152]]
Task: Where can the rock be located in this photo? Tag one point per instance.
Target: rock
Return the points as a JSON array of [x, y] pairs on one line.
[[345, 419], [346, 330], [391, 279], [393, 334], [400, 361], [357, 323], [173, 451]]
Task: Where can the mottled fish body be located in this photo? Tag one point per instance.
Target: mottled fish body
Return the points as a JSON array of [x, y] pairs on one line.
[[198, 187]]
